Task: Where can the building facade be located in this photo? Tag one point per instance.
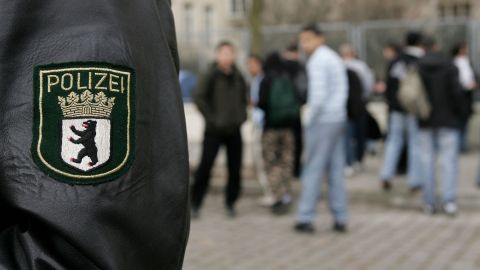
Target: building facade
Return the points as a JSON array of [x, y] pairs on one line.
[[203, 23]]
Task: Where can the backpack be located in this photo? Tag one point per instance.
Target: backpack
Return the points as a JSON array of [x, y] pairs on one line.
[[412, 94], [283, 105], [355, 103]]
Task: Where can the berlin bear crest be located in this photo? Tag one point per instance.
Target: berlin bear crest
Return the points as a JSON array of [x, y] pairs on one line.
[[87, 139], [84, 119]]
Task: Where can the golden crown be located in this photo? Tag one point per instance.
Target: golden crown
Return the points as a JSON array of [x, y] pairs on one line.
[[86, 105]]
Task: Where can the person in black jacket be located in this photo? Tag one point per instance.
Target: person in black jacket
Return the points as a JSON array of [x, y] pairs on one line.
[[298, 75], [221, 97], [130, 209], [357, 121], [460, 55], [440, 132], [401, 122]]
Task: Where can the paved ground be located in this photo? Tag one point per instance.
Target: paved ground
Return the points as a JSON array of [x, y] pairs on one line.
[[386, 232]]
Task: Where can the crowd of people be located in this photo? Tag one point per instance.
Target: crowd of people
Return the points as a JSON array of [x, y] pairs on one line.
[[429, 97]]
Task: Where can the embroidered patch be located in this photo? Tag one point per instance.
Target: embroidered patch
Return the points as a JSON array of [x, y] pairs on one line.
[[83, 121]]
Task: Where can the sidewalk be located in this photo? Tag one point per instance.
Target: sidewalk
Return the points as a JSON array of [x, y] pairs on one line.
[[386, 231]]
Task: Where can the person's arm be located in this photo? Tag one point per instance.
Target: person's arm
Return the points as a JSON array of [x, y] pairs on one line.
[[455, 87], [202, 96], [246, 91], [263, 94], [131, 210], [301, 84], [317, 87], [395, 73], [369, 80]]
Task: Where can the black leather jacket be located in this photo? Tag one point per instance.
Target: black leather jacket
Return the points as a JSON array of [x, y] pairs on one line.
[[138, 220]]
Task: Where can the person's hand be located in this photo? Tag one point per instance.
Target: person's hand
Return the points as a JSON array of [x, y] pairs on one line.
[[380, 87]]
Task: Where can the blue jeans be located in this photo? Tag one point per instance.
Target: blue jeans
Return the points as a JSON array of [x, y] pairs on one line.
[[324, 155], [445, 141], [400, 125], [355, 140]]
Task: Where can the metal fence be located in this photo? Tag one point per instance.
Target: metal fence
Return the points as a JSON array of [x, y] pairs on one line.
[[368, 37]]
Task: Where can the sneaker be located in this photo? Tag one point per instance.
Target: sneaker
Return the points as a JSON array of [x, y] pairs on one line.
[[231, 213], [349, 171], [357, 167], [429, 209], [415, 190], [450, 208], [339, 228], [266, 201], [386, 185], [280, 208], [303, 227]]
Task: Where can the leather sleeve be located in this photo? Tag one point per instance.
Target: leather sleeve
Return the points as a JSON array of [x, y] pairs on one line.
[[139, 220]]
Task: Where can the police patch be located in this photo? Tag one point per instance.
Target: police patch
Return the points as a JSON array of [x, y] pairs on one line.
[[83, 121]]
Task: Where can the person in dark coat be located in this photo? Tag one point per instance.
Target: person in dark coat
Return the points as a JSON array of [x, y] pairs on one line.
[[298, 75], [357, 121], [221, 97], [130, 212], [439, 133]]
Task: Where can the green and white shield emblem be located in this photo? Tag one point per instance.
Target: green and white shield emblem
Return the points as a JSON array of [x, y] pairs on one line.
[[83, 121]]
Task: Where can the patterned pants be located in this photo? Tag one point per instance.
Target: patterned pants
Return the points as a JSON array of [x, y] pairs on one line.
[[278, 154]]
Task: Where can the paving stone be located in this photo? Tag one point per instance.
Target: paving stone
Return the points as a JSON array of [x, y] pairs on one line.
[[386, 232]]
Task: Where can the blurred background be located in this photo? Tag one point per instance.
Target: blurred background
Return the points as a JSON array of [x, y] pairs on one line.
[[386, 230]]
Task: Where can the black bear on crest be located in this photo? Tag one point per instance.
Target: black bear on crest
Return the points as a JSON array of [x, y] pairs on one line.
[[87, 139]]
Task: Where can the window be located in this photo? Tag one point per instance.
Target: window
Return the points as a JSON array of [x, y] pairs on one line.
[[238, 8], [455, 8], [188, 21], [208, 25]]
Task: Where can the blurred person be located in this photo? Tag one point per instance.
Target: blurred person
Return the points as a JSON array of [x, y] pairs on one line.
[[279, 101], [391, 52], [255, 69], [298, 75], [188, 81], [355, 138], [125, 205], [469, 84], [401, 122], [222, 99], [439, 133], [324, 134], [350, 58], [358, 121]]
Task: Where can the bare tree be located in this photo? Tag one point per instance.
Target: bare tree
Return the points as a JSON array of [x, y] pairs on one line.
[[255, 24]]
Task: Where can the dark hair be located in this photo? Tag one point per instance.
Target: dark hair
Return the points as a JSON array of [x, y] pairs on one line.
[[257, 57], [414, 38], [457, 48], [273, 63], [312, 28], [293, 47], [429, 43], [224, 43]]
